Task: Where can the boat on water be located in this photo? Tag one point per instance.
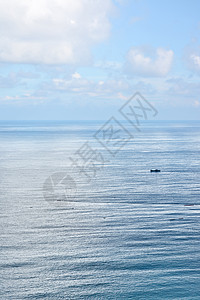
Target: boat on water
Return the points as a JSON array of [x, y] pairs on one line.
[[154, 170]]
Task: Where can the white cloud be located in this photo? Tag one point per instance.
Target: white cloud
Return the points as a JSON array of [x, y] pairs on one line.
[[139, 64], [192, 57], [52, 31], [194, 62], [197, 103], [76, 84], [76, 75]]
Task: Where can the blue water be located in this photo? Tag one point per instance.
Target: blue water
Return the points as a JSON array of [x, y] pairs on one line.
[[126, 234]]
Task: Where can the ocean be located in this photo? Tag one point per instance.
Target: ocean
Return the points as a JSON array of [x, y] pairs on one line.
[[82, 216]]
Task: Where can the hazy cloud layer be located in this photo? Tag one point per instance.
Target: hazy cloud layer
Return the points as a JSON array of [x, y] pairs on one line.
[[52, 31]]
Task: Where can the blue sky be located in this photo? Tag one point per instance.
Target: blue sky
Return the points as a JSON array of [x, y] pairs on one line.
[[82, 59]]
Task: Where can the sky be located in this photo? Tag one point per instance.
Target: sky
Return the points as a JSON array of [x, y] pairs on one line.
[[83, 59]]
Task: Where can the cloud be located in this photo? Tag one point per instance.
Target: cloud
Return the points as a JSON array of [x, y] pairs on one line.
[[9, 81], [76, 75], [183, 90], [83, 89], [194, 62], [192, 57], [197, 103], [140, 64], [109, 65], [77, 84], [52, 32], [23, 99]]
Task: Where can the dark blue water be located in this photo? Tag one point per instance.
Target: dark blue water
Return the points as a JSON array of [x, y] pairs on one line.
[[120, 232]]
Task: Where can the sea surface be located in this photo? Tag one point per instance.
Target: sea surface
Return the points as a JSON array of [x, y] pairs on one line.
[[82, 216]]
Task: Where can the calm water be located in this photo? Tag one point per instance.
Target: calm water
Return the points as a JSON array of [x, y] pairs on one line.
[[126, 234]]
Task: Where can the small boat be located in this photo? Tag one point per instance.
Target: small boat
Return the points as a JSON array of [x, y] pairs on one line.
[[154, 170]]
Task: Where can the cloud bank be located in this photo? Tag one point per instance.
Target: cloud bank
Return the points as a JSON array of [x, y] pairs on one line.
[[52, 31]]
